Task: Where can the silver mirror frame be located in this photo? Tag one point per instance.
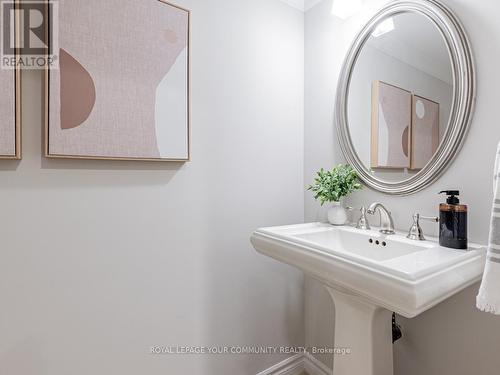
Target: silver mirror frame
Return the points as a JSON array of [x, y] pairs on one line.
[[463, 100]]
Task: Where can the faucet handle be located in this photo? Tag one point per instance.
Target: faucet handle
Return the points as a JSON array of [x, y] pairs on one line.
[[415, 232], [363, 220]]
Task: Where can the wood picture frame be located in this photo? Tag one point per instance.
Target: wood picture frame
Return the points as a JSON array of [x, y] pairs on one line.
[[51, 88], [390, 148], [425, 135], [17, 113]]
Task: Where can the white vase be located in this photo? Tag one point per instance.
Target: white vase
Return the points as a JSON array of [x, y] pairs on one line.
[[337, 214]]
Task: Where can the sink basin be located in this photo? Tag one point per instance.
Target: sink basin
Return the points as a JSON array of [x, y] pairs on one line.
[[369, 275], [354, 244], [403, 275]]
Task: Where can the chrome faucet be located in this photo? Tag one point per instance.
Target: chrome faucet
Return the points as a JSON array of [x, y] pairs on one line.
[[416, 233], [386, 222]]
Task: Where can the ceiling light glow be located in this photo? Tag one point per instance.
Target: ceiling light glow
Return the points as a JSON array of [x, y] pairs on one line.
[[345, 9], [385, 27]]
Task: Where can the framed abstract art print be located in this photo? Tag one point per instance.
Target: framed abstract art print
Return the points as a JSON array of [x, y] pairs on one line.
[[10, 84], [391, 126], [10, 115], [425, 131], [122, 88]]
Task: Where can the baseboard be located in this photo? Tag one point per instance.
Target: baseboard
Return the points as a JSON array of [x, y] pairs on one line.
[[290, 366], [314, 366], [296, 365]]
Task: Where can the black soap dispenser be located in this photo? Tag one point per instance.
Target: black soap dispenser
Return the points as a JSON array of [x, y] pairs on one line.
[[453, 221]]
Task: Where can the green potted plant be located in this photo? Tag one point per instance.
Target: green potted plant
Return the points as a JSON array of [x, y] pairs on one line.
[[331, 186]]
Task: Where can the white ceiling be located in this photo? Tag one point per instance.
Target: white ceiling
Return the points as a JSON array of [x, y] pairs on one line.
[[302, 5]]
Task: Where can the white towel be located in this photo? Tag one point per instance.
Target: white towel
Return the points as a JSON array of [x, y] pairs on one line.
[[488, 299]]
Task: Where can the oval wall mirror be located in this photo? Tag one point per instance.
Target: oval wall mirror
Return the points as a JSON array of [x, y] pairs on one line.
[[405, 96]]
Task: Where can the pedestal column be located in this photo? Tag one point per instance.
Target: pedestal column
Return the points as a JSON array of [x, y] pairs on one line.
[[366, 330]]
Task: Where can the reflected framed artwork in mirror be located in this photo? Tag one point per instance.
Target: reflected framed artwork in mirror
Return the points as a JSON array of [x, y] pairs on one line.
[[391, 126], [405, 128], [425, 125], [405, 96]]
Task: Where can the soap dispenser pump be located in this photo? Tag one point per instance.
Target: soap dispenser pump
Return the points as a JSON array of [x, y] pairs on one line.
[[453, 221]]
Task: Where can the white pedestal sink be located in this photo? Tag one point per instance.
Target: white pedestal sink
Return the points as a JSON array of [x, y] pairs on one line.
[[369, 275]]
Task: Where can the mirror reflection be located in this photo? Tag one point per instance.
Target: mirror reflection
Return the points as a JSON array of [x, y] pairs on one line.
[[400, 96]]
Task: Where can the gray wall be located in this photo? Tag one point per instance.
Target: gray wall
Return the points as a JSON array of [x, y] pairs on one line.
[[453, 338], [101, 260]]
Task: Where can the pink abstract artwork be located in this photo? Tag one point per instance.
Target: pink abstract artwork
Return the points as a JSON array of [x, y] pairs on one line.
[[391, 126], [8, 126], [122, 88], [425, 131]]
